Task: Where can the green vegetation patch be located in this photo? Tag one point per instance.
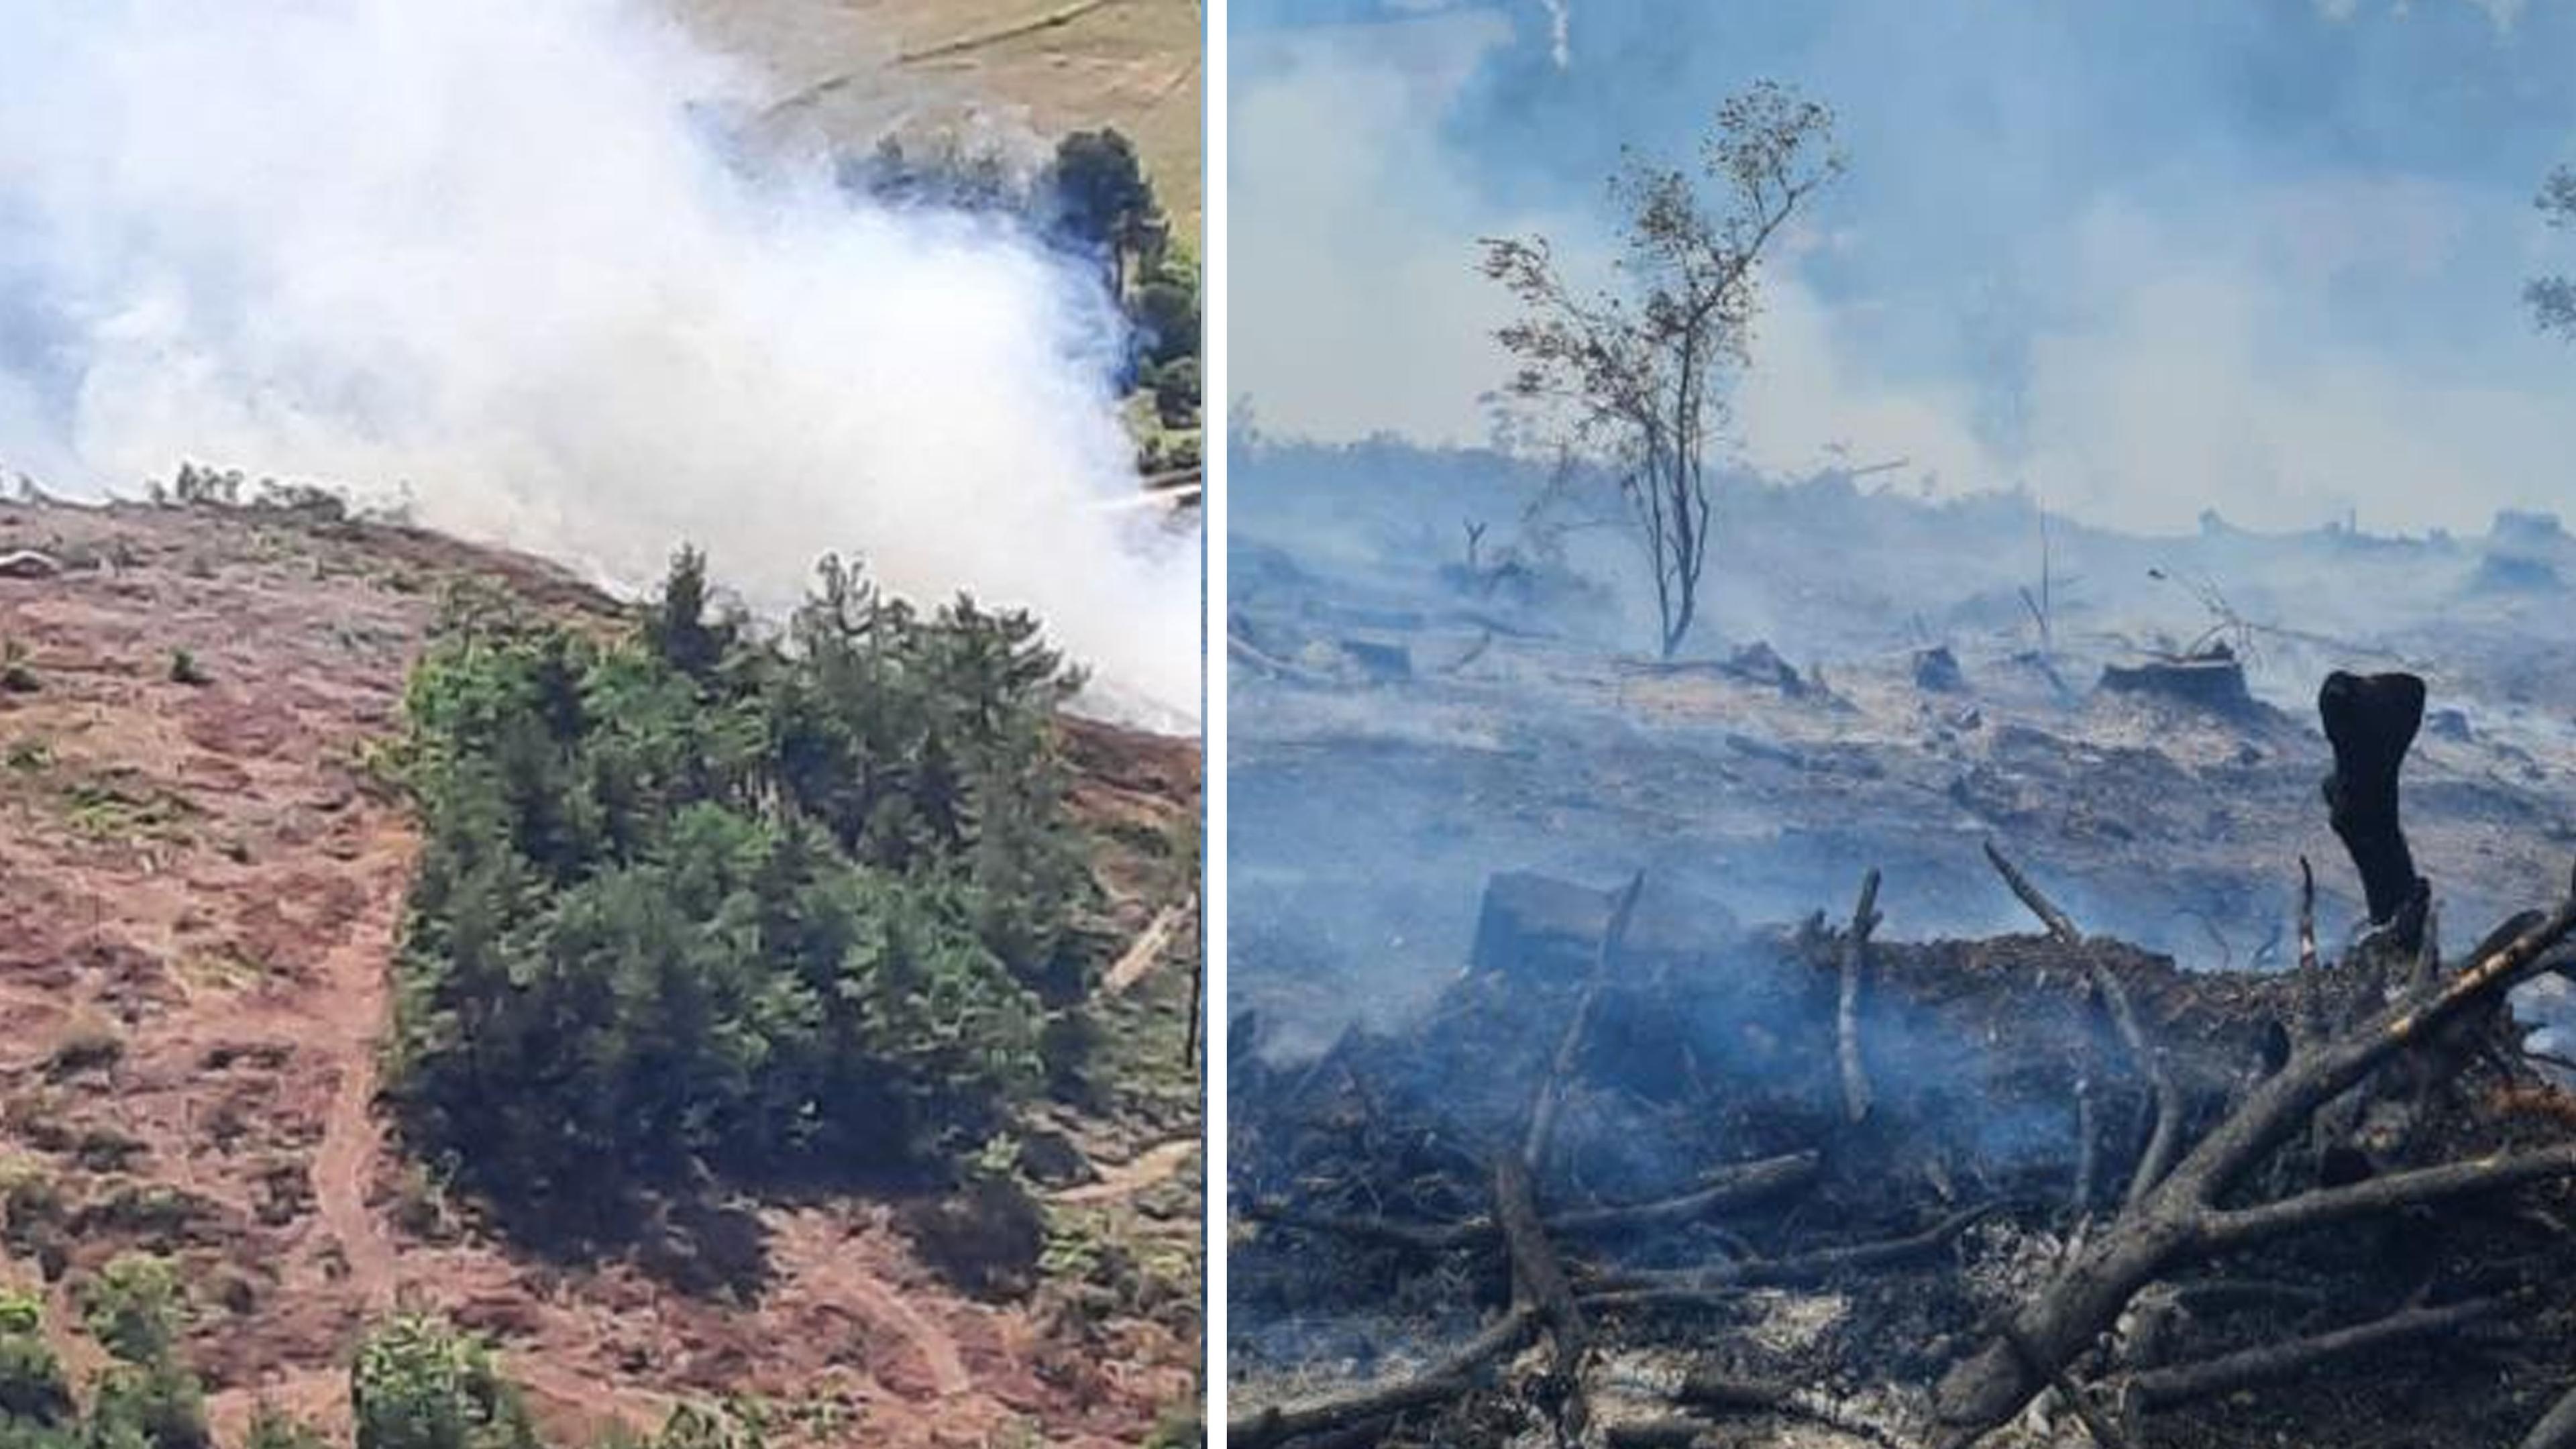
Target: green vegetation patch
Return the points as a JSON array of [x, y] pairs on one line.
[[701, 900]]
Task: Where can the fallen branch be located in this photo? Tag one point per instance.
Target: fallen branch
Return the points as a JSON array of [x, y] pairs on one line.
[[1702, 1389], [2219, 1232], [1437, 1384], [2165, 1388], [2059, 925], [1732, 1186], [1696, 1286], [1538, 1281], [2166, 1139], [1551, 1092], [2312, 1000], [1276, 667], [2177, 1222]]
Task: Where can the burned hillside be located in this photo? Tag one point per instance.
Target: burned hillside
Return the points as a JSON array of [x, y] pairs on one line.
[[1637, 1177]]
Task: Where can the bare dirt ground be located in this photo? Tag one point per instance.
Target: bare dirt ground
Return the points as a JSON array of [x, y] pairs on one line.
[[854, 70], [200, 886]]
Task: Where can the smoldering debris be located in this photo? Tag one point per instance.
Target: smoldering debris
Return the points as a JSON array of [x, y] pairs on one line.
[[1627, 1181]]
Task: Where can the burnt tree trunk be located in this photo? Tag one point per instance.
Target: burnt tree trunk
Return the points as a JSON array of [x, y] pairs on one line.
[[2371, 721]]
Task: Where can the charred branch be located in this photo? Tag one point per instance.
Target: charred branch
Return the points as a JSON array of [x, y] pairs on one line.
[[2312, 1002], [1854, 961], [1437, 1384], [2166, 1137], [2218, 1232], [1551, 1093], [1700, 1286], [2371, 721], [2059, 924], [2557, 1428], [1714, 1393], [1538, 1282], [2177, 1222], [1737, 1185], [2166, 1388]]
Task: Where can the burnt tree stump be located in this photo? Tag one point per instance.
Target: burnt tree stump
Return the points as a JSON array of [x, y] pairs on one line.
[[2371, 721]]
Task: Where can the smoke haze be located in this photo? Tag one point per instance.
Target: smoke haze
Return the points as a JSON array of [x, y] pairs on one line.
[[497, 256], [2142, 260]]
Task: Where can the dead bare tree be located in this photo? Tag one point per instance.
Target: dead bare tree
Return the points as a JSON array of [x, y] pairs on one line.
[[1634, 374]]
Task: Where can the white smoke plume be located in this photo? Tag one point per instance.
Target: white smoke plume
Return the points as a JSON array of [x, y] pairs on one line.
[[493, 253]]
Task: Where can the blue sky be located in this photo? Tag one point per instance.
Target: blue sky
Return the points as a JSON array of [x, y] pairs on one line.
[[2259, 255]]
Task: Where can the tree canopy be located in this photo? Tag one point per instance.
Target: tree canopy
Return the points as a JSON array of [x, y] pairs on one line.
[[692, 900], [2553, 298], [1629, 379]]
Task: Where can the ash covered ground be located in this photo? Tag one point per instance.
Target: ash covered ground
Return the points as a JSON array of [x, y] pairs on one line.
[[1435, 722], [1415, 716]]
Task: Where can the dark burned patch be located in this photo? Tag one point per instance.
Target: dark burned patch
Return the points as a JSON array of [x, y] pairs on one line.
[[1989, 1063]]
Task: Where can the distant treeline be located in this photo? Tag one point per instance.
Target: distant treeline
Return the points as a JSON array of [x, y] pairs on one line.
[[1092, 199]]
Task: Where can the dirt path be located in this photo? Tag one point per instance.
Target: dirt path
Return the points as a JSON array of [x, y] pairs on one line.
[[354, 997], [816, 1255], [1146, 1168], [1061, 15], [1053, 19]]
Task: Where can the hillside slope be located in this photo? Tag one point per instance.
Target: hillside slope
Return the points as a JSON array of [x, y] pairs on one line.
[[201, 879], [1054, 65]]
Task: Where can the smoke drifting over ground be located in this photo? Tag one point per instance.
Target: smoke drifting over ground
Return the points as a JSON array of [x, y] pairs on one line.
[[500, 257], [2145, 262]]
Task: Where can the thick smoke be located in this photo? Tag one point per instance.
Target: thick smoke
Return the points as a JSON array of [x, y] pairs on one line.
[[499, 256]]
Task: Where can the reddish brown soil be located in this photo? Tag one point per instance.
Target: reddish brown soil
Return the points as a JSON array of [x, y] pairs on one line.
[[201, 885]]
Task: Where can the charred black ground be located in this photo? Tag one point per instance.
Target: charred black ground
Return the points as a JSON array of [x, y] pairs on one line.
[[1637, 1177]]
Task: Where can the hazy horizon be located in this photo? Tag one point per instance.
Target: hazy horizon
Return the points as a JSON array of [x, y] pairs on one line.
[[2266, 260]]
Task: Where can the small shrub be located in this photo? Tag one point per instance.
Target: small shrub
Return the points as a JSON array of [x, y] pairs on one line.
[[274, 1428], [105, 1149], [17, 676], [420, 1384], [30, 755], [30, 1198], [33, 1385], [134, 1308], [987, 1237], [184, 668], [1179, 1427], [88, 1044], [163, 1216], [157, 1404]]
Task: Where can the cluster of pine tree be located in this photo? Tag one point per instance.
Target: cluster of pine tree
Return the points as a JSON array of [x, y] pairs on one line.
[[701, 901]]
